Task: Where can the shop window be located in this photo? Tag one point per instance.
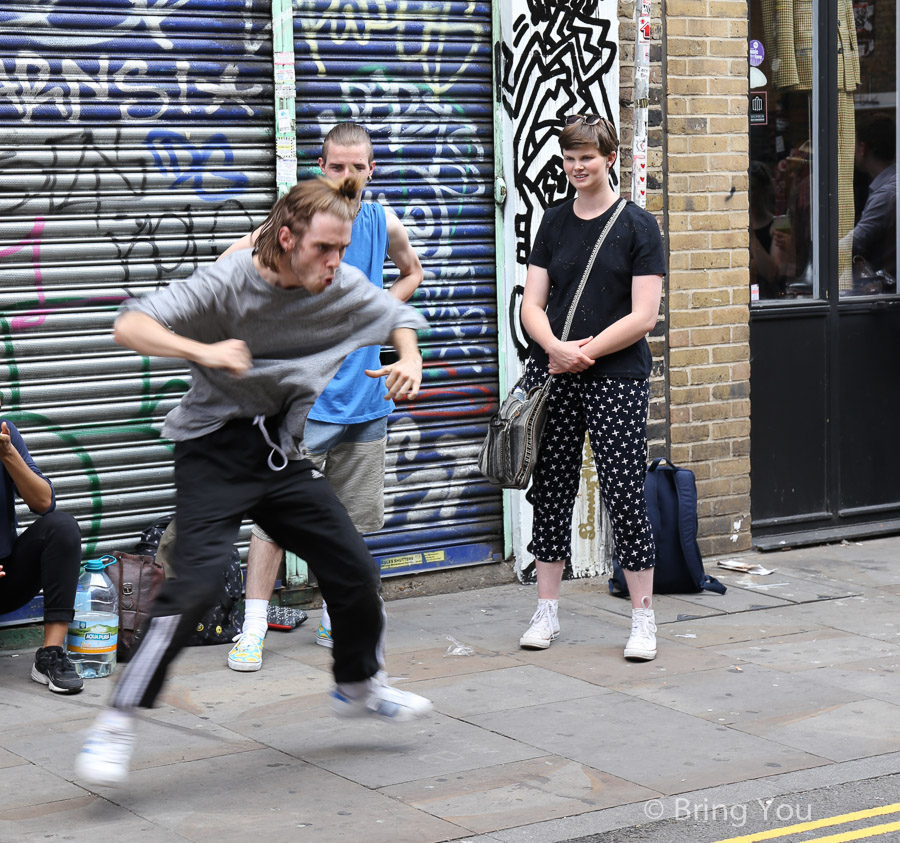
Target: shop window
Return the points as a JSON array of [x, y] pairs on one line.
[[783, 255]]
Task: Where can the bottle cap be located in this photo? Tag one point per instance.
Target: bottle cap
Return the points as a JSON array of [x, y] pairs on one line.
[[99, 564]]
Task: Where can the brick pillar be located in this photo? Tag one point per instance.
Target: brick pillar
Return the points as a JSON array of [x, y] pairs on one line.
[[657, 426], [707, 213]]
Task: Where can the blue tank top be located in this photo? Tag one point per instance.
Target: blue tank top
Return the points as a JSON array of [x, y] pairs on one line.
[[352, 396]]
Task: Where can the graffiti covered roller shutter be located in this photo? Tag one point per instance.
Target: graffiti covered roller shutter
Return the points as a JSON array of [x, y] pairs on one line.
[[418, 76], [136, 144]]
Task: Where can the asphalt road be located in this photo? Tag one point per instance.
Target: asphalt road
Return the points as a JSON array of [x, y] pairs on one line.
[[860, 811]]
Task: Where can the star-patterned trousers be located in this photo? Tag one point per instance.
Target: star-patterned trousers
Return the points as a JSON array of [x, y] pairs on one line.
[[614, 413]]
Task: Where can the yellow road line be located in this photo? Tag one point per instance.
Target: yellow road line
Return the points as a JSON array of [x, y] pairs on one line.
[[859, 834], [841, 819]]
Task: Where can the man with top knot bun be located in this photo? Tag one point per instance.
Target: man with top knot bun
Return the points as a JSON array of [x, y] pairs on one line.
[[263, 332]]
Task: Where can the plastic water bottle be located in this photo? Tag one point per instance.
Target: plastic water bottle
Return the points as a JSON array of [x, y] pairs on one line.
[[94, 632]]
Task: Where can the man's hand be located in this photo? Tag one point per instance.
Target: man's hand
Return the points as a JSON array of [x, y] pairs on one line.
[[568, 357], [231, 355], [403, 378], [2, 572]]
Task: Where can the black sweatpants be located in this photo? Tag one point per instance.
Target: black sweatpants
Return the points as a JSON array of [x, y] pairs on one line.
[[46, 555], [220, 478]]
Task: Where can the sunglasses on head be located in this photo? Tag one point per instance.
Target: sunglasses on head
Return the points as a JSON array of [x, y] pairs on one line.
[[587, 119]]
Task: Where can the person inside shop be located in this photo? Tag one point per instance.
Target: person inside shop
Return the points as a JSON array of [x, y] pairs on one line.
[[599, 378], [766, 244], [874, 237], [46, 555]]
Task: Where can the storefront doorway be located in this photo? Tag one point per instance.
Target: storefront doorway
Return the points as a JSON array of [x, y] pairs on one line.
[[825, 314]]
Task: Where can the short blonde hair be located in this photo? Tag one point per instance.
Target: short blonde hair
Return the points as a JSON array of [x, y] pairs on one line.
[[299, 205]]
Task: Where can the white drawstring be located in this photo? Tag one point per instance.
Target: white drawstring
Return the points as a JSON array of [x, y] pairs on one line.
[[260, 422]]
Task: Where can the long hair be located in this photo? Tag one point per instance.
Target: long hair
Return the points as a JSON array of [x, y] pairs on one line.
[[299, 205]]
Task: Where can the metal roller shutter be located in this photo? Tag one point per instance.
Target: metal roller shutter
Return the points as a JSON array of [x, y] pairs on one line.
[[136, 144], [418, 76]]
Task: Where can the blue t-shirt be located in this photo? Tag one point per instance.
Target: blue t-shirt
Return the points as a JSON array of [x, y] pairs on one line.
[[352, 396], [8, 492]]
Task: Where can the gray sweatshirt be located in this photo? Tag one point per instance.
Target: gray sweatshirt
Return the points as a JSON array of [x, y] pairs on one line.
[[297, 340]]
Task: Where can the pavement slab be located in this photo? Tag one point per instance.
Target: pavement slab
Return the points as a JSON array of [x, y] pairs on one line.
[[509, 795], [793, 587], [222, 694], [85, 818], [605, 735], [809, 650], [739, 627], [875, 678], [10, 759], [164, 737], [437, 663], [868, 564], [377, 754], [667, 607], [279, 798], [500, 690], [606, 665], [873, 614], [732, 695], [837, 732], [29, 785]]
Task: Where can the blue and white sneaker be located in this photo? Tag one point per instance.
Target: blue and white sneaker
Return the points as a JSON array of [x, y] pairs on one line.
[[106, 753], [323, 636], [383, 703], [247, 653]]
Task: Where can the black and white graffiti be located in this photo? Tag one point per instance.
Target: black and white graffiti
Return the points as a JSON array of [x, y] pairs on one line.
[[561, 60]]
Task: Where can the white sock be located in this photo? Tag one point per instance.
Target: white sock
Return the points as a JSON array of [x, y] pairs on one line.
[[326, 621], [256, 617]]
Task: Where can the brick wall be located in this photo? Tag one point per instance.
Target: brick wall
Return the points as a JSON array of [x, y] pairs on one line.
[[707, 214], [697, 179]]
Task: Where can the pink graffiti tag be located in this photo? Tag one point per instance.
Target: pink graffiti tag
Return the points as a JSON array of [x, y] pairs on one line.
[[35, 318]]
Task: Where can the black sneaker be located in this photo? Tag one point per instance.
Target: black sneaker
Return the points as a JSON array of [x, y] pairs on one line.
[[52, 667]]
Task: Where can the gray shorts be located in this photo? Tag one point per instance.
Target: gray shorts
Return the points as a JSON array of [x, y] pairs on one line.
[[351, 457]]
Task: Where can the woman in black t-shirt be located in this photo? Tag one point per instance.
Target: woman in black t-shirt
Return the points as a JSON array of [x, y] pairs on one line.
[[600, 376]]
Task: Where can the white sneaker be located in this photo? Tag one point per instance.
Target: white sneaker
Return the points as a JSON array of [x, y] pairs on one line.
[[544, 626], [642, 641], [382, 702], [106, 753]]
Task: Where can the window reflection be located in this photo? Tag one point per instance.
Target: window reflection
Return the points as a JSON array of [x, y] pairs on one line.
[[781, 152]]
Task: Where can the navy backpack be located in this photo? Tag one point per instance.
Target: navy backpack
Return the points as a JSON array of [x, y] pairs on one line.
[[671, 494]]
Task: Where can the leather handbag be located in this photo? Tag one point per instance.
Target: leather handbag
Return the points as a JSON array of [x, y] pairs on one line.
[[138, 579], [510, 449]]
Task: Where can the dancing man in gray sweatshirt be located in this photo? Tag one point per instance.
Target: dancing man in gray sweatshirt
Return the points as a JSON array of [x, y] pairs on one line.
[[263, 332]]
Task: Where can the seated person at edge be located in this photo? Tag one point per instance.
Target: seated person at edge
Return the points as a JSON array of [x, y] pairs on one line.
[[599, 378], [47, 555], [874, 236], [346, 431]]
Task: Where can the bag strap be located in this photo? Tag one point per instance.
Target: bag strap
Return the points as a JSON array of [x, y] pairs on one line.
[[590, 265], [688, 502]]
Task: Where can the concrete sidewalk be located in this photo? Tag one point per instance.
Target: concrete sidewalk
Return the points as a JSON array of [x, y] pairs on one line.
[[788, 680]]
